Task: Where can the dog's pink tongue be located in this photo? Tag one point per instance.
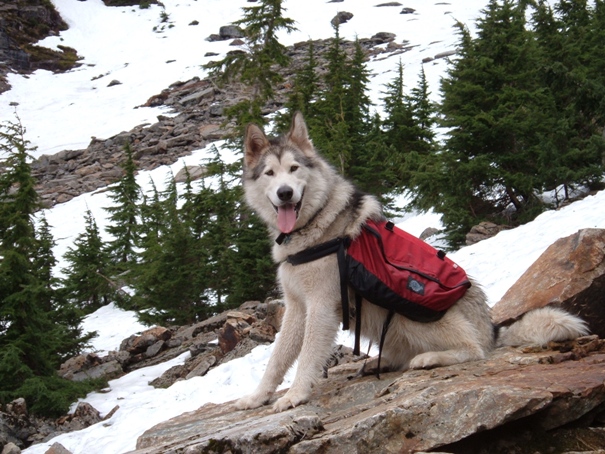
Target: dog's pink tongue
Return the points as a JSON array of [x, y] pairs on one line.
[[286, 218]]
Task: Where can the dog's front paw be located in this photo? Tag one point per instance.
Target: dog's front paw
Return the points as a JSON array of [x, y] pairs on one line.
[[426, 361], [252, 401], [290, 400]]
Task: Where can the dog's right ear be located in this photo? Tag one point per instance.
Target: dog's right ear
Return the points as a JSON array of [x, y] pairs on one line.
[[299, 135], [255, 142]]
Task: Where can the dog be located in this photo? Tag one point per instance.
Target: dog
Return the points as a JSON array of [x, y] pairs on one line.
[[305, 202]]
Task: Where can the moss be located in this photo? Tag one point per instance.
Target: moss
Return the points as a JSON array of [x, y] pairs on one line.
[[53, 60]]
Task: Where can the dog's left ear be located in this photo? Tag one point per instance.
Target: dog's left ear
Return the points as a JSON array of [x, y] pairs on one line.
[[299, 135], [255, 142]]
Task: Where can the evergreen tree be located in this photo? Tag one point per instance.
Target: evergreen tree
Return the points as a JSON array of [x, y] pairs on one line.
[[424, 113], [170, 276], [571, 150], [35, 334], [302, 96], [123, 217], [328, 127], [400, 130], [254, 67], [378, 172], [86, 281], [357, 103], [496, 111]]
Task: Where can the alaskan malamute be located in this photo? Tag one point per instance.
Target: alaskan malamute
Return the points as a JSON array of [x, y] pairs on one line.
[[305, 202]]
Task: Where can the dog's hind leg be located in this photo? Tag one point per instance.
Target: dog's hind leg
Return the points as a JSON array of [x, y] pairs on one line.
[[321, 326], [287, 348]]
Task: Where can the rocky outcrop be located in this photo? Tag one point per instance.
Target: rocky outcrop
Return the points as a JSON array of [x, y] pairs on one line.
[[569, 274], [19, 429], [209, 343], [23, 23], [483, 231], [448, 409], [218, 339], [199, 106]]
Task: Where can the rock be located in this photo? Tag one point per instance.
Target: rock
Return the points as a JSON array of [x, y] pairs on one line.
[[195, 173], [202, 367], [483, 231], [383, 37], [447, 53], [569, 274], [429, 232], [9, 431], [389, 4], [198, 95], [17, 408], [114, 82], [77, 368], [24, 23], [154, 349], [262, 333], [230, 32], [211, 132], [407, 11], [138, 344], [84, 416], [11, 448], [57, 448], [341, 18], [108, 371], [407, 412], [231, 334], [274, 310]]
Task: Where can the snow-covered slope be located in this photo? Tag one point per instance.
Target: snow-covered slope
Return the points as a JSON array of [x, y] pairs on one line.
[[63, 111], [134, 46]]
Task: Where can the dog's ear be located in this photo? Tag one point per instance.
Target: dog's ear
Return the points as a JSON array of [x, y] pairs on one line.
[[299, 135], [255, 141]]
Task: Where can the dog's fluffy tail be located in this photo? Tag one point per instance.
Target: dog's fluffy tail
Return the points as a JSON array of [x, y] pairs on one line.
[[540, 326]]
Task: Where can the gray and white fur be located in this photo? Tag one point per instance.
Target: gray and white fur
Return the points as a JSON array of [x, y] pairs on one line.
[[303, 199]]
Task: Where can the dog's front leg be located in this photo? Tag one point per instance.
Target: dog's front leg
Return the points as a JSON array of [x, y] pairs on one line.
[[287, 347], [321, 326]]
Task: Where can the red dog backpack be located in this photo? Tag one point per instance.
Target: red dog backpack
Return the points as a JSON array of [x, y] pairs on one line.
[[394, 270]]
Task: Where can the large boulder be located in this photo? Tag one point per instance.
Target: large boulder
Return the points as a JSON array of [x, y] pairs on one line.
[[569, 274], [498, 399]]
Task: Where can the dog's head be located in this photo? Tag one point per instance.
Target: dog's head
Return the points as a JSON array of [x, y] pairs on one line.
[[277, 173]]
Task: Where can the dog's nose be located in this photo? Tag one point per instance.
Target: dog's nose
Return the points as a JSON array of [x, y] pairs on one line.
[[285, 193]]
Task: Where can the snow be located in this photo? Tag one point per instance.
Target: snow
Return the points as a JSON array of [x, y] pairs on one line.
[[134, 46]]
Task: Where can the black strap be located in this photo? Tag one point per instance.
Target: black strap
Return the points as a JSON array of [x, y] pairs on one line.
[[344, 283], [318, 252], [383, 335], [358, 299], [338, 246]]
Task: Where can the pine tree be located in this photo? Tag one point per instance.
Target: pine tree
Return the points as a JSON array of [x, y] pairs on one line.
[[496, 111], [571, 150], [327, 127], [170, 276], [86, 281], [123, 217], [399, 126], [424, 113], [302, 96], [254, 67], [35, 330]]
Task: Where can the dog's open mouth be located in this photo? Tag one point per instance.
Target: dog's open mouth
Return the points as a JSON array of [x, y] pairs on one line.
[[287, 214]]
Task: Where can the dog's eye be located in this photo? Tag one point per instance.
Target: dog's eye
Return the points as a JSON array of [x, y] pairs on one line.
[[269, 173], [293, 168]]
